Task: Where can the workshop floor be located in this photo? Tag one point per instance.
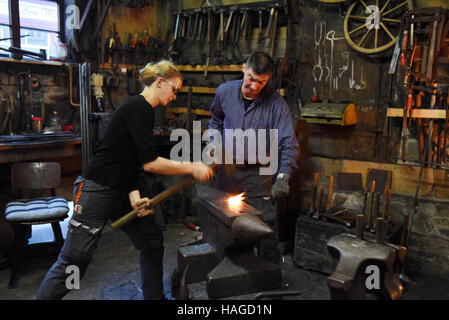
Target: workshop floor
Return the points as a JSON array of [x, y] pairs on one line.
[[114, 272]]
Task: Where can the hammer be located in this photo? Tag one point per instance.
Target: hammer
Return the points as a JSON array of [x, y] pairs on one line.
[[157, 199]]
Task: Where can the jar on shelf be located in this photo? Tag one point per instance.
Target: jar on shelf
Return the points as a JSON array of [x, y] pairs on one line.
[[55, 121]]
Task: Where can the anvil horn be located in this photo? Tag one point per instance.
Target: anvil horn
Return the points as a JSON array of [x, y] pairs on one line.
[[248, 227]]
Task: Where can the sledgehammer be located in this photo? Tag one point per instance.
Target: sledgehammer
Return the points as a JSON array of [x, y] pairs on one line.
[[156, 200]]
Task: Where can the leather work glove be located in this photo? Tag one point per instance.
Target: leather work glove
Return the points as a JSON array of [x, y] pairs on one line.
[[281, 187]]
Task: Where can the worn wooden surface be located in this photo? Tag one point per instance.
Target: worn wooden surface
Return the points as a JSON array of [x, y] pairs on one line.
[[434, 184]]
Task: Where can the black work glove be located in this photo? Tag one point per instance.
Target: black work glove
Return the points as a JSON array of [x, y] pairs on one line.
[[281, 187]]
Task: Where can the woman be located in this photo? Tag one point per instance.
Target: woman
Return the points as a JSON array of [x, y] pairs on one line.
[[127, 146]]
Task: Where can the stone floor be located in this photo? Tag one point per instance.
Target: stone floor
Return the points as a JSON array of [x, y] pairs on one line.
[[114, 271], [114, 274]]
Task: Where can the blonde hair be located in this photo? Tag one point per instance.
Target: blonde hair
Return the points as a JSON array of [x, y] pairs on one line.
[[152, 71]]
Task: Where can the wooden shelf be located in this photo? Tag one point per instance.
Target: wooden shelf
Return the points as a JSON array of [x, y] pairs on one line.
[[182, 68], [189, 68], [200, 112], [38, 62], [211, 68], [208, 90], [112, 66], [418, 113], [199, 90]]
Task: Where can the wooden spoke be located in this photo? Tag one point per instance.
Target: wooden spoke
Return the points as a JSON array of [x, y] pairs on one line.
[[391, 20], [358, 17], [390, 13], [364, 4], [357, 29], [376, 36], [387, 31], [364, 37], [396, 8], [385, 6]]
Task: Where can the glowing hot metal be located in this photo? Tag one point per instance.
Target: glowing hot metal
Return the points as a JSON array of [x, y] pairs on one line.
[[236, 200]]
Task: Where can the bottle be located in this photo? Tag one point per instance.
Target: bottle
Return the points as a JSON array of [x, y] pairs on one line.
[[55, 121]]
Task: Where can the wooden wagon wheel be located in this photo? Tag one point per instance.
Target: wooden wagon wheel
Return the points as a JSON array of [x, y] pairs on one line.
[[372, 26]]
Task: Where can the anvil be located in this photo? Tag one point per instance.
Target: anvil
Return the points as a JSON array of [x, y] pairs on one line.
[[225, 257]]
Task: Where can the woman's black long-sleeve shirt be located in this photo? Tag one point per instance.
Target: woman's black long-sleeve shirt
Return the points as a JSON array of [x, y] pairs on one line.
[[128, 143]]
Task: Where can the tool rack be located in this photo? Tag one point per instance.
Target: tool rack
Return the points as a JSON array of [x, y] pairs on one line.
[[204, 90], [421, 51]]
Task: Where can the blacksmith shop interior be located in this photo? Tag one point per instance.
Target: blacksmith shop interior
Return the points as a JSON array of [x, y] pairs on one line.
[[349, 200]]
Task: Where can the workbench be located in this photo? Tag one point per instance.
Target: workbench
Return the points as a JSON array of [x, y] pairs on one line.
[[17, 148]]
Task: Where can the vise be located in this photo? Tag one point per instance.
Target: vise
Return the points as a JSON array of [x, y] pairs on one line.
[[225, 258], [366, 269]]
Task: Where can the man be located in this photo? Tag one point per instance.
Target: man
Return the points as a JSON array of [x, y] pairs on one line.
[[251, 104]]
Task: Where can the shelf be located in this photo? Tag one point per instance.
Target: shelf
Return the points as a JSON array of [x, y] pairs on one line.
[[119, 66], [200, 112], [189, 68], [208, 90], [199, 90], [211, 68], [182, 68], [418, 113], [38, 62]]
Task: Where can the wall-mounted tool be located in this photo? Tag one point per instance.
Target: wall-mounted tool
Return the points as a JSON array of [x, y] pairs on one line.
[[97, 84], [273, 34], [18, 53], [260, 34], [232, 9], [209, 42], [431, 57], [404, 48]]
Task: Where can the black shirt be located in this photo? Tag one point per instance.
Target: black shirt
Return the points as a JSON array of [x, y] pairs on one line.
[[246, 102], [128, 143]]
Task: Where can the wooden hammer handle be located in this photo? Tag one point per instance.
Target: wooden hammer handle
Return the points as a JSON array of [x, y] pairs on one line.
[[156, 200]]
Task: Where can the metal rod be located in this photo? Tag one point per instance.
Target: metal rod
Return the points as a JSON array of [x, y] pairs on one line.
[[379, 230], [318, 206], [404, 231], [315, 186], [359, 225], [371, 208], [257, 196]]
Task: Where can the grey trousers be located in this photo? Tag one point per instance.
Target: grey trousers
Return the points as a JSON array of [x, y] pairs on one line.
[[93, 206]]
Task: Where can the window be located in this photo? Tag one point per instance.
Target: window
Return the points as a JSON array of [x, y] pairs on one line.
[[33, 24], [5, 30]]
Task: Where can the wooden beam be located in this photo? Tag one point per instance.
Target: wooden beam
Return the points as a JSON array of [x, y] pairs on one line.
[[199, 90], [418, 113], [200, 112], [211, 68]]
